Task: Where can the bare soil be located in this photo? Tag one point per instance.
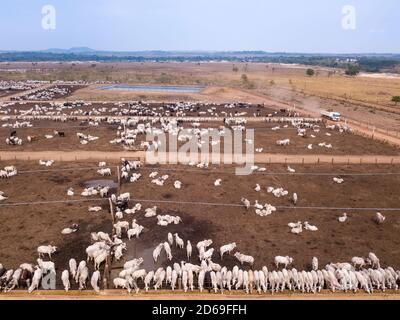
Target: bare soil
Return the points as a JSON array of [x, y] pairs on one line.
[[26, 227], [266, 237], [264, 137]]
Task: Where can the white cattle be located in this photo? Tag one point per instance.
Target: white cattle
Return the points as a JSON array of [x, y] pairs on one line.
[[179, 241], [227, 248], [314, 263], [379, 218], [46, 266], [343, 218], [65, 280], [94, 281], [188, 249], [283, 260], [373, 259], [37, 276], [244, 258], [358, 262], [49, 250], [246, 203], [170, 238], [157, 251]]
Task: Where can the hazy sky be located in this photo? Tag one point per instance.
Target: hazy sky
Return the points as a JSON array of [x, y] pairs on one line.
[[284, 25]]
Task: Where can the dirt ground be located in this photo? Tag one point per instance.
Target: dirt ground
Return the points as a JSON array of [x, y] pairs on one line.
[[71, 89], [266, 237], [264, 137], [26, 227], [146, 109], [366, 99], [5, 93], [261, 237]]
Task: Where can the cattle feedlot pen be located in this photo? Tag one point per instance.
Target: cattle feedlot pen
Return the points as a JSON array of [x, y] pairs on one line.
[[196, 203], [259, 161]]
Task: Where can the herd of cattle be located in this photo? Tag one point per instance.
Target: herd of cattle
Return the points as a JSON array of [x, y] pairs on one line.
[[199, 271]]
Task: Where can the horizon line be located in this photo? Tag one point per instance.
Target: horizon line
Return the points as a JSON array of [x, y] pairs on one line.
[[89, 50]]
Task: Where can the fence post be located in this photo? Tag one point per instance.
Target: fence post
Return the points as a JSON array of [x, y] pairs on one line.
[[111, 211], [106, 273], [119, 178]]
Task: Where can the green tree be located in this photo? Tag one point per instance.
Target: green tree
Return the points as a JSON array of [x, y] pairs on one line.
[[352, 70], [310, 72], [396, 99]]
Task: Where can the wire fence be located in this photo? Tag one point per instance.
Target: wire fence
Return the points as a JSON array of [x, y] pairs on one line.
[[216, 171], [201, 203], [141, 156]]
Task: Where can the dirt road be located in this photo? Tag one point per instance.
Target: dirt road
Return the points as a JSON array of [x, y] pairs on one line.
[[264, 158]]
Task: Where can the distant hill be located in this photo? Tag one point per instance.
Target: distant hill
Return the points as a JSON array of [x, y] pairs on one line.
[[71, 50]]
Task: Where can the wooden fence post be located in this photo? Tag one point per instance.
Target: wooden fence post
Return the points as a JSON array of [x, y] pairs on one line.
[[119, 178], [106, 273], [111, 211]]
